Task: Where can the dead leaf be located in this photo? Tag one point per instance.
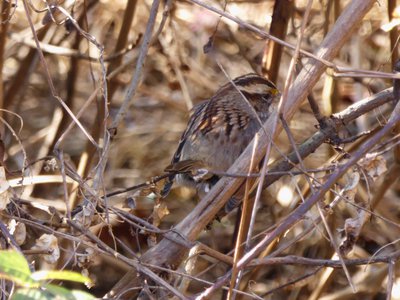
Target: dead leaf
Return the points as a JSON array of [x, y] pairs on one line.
[[374, 165], [160, 210], [352, 229], [4, 186], [18, 231], [48, 242]]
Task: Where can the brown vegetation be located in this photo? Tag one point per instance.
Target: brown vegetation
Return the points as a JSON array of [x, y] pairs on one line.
[[95, 96]]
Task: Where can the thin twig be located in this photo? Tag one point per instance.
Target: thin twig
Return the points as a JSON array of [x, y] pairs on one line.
[[297, 214], [131, 90]]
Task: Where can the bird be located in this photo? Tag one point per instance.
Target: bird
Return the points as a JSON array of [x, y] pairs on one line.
[[218, 131]]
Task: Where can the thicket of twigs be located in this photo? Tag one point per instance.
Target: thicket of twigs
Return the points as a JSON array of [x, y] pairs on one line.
[[95, 95]]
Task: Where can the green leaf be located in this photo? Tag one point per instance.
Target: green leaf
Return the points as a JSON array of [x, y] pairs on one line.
[[61, 292], [31, 294], [13, 266], [60, 275], [51, 292], [81, 295], [65, 294]]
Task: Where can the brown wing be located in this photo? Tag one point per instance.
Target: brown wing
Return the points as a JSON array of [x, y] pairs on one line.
[[197, 111]]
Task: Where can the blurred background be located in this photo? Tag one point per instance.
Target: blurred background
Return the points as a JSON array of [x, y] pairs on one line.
[[177, 74]]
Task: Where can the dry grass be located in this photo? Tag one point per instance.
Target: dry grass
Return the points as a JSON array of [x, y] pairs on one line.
[[130, 140]]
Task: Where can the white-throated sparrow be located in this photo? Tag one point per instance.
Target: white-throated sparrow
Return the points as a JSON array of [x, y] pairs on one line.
[[218, 130]]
